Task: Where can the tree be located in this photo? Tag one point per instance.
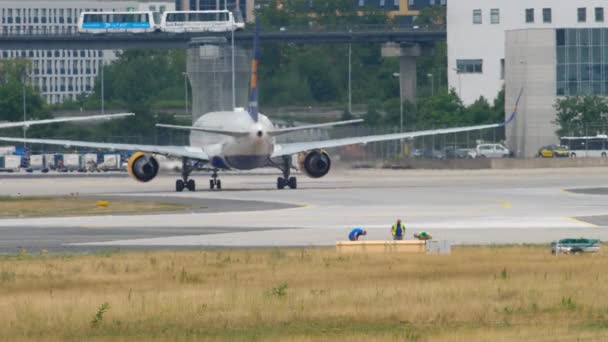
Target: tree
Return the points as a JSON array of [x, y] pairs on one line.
[[581, 115]]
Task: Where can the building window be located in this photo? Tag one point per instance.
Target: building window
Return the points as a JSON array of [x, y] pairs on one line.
[[502, 68], [361, 3], [494, 16], [581, 14], [469, 66], [477, 16], [547, 16], [582, 67], [529, 15], [599, 14]]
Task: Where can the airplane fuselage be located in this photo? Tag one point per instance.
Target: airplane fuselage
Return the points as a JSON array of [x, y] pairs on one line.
[[227, 152]]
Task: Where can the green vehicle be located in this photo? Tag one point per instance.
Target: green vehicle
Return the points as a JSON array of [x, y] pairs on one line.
[[574, 246]]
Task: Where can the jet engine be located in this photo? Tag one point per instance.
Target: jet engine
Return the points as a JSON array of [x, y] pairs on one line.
[[142, 167], [315, 164]]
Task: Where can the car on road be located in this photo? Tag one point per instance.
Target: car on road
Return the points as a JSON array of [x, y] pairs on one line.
[[553, 151], [492, 151]]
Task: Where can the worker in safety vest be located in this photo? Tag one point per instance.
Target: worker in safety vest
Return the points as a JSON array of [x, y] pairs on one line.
[[355, 233], [398, 230], [423, 236]]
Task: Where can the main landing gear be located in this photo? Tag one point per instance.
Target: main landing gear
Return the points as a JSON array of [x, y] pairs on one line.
[[286, 181], [214, 182], [185, 183]]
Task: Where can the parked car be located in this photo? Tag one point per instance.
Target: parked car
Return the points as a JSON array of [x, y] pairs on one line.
[[574, 246], [428, 154], [492, 151], [452, 152], [553, 151]]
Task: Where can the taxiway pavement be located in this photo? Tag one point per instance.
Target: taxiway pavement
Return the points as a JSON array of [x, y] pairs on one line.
[[466, 207]]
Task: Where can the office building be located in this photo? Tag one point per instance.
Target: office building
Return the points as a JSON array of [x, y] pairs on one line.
[[64, 74]]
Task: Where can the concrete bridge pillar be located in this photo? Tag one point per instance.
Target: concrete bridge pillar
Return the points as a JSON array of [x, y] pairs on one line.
[[407, 54], [209, 67]]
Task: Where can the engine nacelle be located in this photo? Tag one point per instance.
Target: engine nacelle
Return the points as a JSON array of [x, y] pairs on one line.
[[142, 167], [315, 164]]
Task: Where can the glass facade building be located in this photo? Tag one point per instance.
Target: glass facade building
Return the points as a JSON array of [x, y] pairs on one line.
[[582, 62]]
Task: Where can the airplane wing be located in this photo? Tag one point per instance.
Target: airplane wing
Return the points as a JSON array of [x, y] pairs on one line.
[[69, 119], [293, 148], [195, 153]]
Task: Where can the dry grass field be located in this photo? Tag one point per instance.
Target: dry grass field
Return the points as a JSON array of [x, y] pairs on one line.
[[476, 294], [76, 206]]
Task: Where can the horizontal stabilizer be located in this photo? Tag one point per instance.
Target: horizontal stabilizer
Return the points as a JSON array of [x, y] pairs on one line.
[[235, 134], [305, 127]]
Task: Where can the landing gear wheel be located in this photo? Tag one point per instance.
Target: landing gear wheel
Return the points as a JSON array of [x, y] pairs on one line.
[[211, 184], [191, 185], [179, 185], [292, 182], [218, 184], [280, 183]]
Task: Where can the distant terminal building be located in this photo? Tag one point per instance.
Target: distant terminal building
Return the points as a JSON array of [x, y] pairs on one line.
[[65, 74], [241, 7], [407, 9], [545, 49]]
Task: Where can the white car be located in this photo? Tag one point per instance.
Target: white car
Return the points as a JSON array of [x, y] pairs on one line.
[[492, 151]]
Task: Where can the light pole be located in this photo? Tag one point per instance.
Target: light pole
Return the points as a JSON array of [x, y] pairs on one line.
[[233, 68], [185, 74], [24, 110], [398, 75], [432, 83], [102, 89], [459, 83], [350, 89]]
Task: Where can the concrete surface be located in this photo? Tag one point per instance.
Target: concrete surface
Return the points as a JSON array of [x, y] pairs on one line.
[[467, 207]]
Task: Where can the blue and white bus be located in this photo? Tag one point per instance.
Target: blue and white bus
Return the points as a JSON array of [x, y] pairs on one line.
[[199, 21], [592, 146], [113, 22]]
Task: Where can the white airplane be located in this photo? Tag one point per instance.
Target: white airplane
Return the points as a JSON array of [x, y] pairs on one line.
[[243, 140], [69, 119]]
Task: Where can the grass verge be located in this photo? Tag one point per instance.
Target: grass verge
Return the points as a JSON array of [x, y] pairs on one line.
[[77, 206], [476, 294]]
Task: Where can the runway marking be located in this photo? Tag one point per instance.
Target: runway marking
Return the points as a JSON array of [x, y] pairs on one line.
[[574, 219]]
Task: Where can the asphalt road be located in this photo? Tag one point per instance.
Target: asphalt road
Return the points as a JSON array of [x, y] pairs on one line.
[[465, 207]]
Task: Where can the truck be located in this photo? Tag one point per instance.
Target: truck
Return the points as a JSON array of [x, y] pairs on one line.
[[71, 162], [111, 162]]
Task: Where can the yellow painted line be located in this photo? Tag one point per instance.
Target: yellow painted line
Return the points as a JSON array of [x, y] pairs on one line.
[[573, 219]]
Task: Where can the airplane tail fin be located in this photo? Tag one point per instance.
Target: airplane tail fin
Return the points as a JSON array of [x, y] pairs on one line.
[[253, 82], [514, 113]]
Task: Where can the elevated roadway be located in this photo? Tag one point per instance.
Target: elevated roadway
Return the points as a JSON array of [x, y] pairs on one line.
[[159, 40]]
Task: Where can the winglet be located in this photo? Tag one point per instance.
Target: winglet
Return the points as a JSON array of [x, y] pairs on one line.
[[253, 83], [512, 116]]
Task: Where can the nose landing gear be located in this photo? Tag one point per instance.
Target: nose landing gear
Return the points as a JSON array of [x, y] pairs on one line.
[[286, 181], [214, 182]]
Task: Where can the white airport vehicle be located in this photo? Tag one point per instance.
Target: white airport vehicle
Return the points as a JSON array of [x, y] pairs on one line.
[[244, 140], [591, 146], [76, 118], [491, 151], [10, 163], [71, 161], [111, 162], [37, 162], [199, 21], [118, 22]]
